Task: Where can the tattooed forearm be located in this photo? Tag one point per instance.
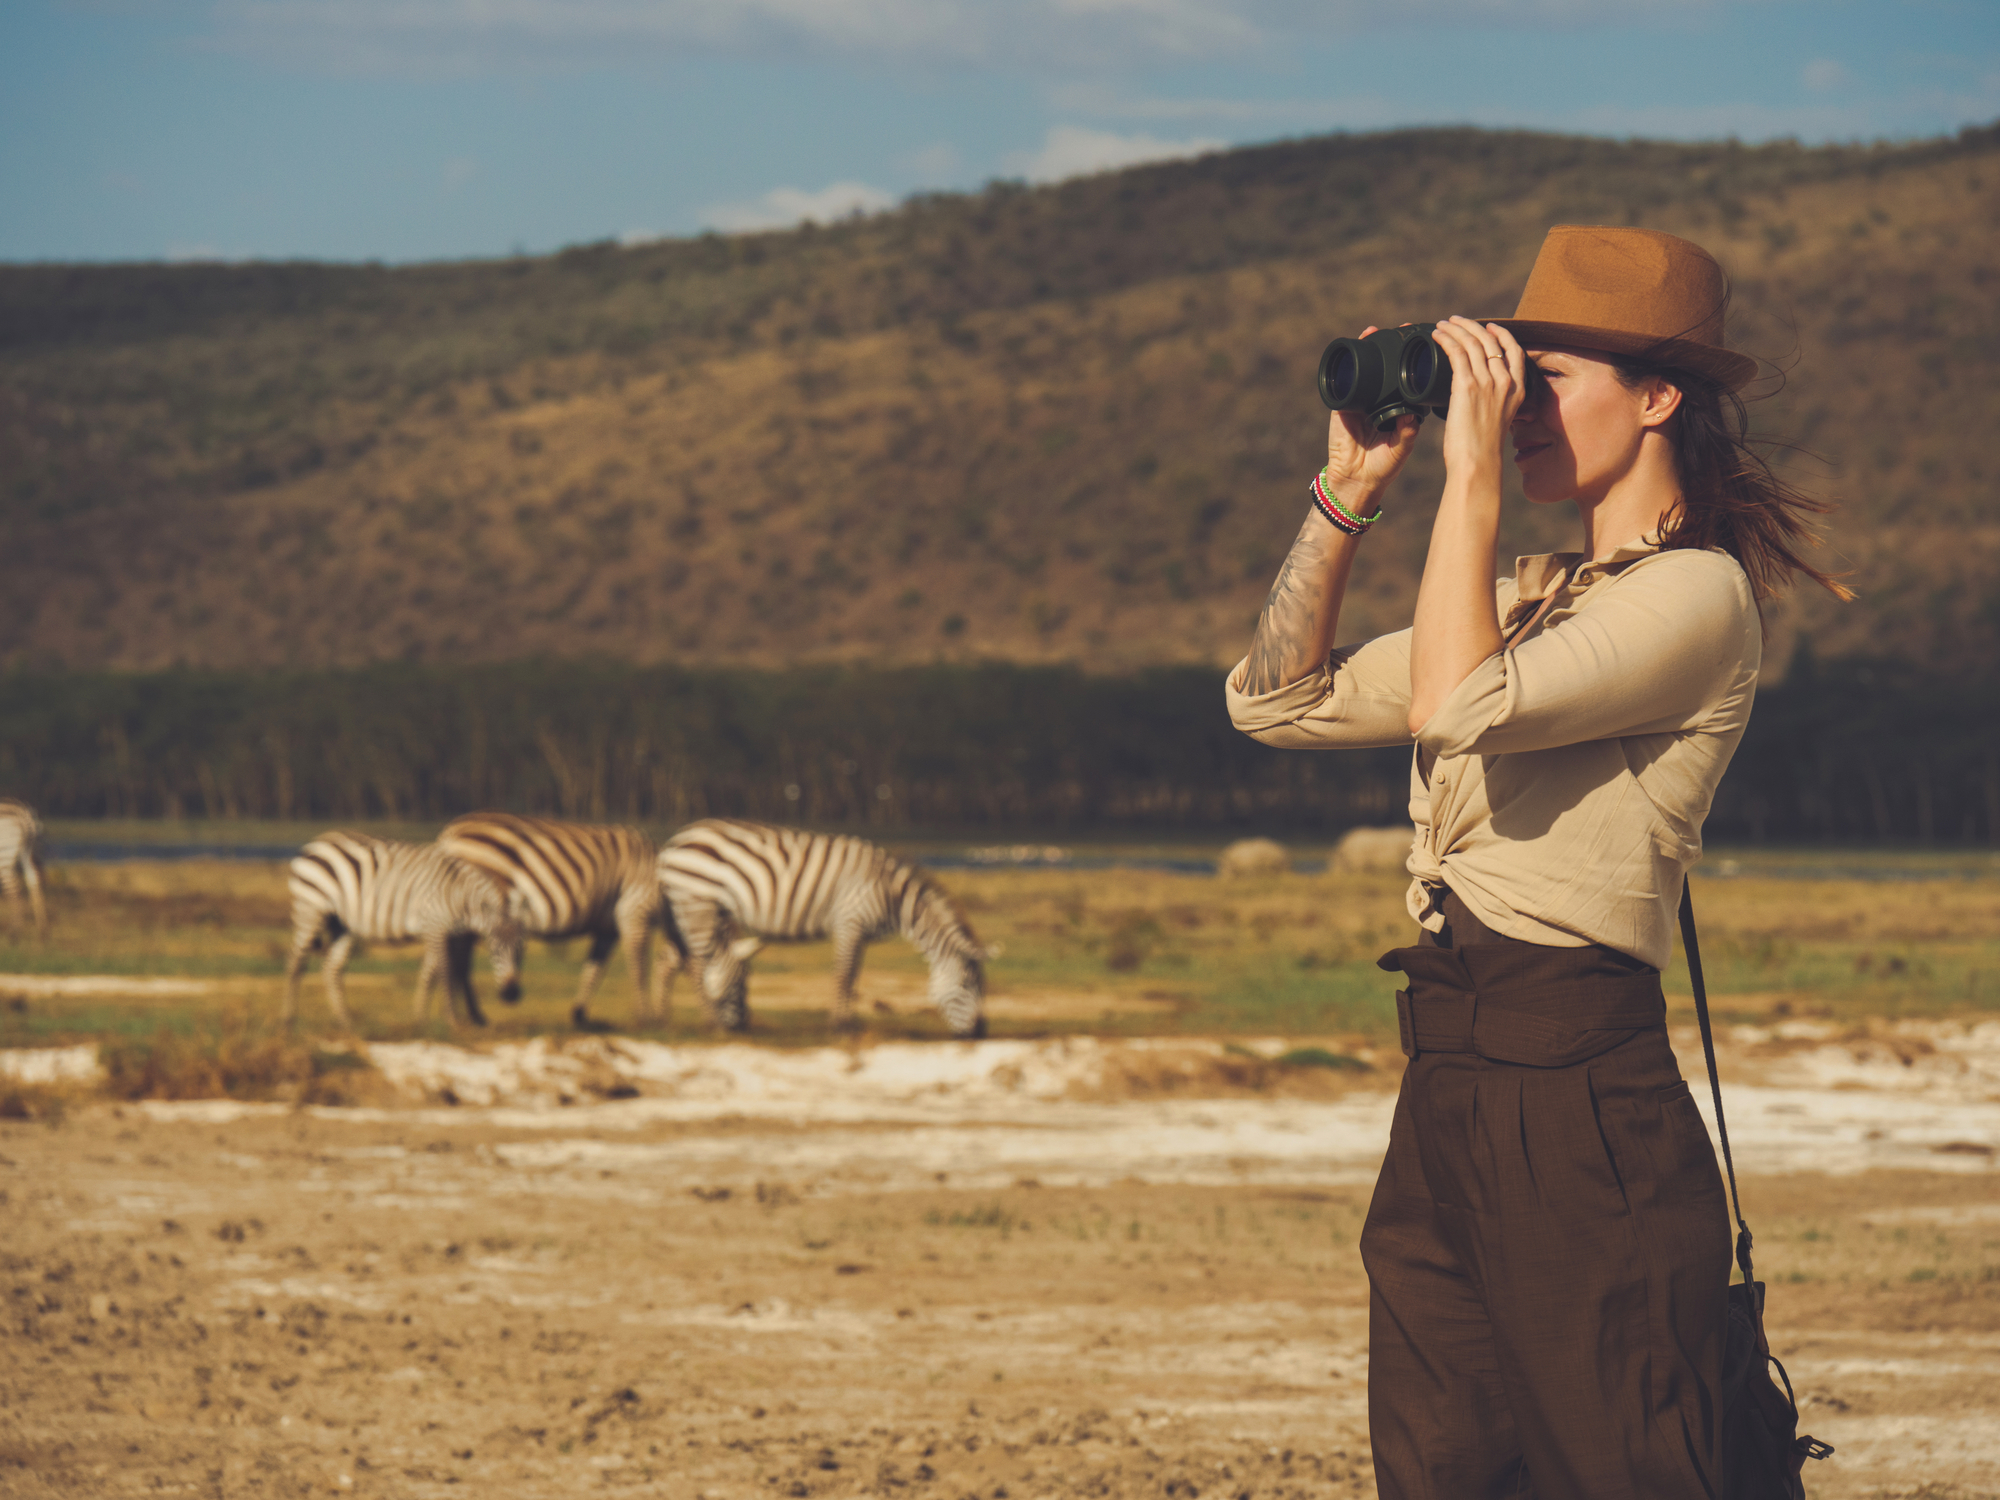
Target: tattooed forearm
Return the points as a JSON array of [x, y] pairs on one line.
[[1295, 631]]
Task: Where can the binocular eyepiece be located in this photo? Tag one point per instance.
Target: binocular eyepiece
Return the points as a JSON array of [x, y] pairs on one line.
[[1392, 373]]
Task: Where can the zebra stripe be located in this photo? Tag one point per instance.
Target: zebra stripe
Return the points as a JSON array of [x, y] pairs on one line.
[[20, 864], [574, 880], [725, 878], [348, 887]]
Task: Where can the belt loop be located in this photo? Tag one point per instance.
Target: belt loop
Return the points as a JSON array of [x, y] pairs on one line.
[[1406, 1025]]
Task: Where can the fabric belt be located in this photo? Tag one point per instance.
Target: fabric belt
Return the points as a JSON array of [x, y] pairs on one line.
[[1527, 1004]]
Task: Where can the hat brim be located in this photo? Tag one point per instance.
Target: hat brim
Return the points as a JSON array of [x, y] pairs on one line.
[[1727, 368]]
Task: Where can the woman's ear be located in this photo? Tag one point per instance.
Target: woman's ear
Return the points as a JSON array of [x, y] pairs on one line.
[[1663, 399]]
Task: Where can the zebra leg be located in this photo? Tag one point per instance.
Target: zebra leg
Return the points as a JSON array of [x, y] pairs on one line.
[[330, 970], [639, 910], [601, 944], [427, 978], [848, 943], [638, 956], [292, 968], [636, 933], [458, 974], [309, 926], [32, 879], [673, 958]]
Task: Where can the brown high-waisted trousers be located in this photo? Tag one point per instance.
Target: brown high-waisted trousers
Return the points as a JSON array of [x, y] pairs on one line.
[[1548, 1248]]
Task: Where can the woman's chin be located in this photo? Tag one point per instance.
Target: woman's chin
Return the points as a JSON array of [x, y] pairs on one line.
[[1541, 487]]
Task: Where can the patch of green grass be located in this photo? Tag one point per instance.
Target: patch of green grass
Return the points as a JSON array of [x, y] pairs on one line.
[[1273, 995], [1319, 1057], [994, 1216]]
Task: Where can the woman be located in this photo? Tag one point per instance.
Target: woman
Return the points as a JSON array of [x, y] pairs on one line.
[[1547, 1248]]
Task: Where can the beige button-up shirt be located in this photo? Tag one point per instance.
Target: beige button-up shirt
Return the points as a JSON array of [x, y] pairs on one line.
[[1560, 790]]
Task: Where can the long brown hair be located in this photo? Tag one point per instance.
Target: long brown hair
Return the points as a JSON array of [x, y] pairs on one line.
[[1730, 496]]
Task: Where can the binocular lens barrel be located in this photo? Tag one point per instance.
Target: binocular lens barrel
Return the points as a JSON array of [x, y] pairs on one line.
[[1392, 373], [1350, 374], [1344, 372], [1419, 366], [1426, 371]]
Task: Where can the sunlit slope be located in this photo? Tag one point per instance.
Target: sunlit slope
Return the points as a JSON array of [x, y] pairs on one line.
[[1066, 423]]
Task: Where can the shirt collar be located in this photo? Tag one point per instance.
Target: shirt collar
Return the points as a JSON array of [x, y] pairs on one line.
[[1537, 577]]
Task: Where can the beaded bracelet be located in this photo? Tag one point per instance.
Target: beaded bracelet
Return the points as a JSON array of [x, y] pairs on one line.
[[1342, 518]]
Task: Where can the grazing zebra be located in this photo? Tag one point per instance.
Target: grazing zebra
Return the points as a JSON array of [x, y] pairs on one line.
[[20, 841], [730, 882], [573, 880], [347, 886]]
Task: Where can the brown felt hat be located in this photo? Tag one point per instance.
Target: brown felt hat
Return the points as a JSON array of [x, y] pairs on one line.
[[1630, 291]]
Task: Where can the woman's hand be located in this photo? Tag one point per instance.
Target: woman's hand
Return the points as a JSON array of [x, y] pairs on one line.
[[1295, 631], [1489, 380], [1360, 461]]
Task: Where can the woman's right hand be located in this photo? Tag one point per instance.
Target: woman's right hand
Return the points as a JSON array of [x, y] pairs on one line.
[[1360, 462]]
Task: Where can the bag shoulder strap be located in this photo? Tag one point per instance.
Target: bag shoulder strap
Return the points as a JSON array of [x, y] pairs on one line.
[[1693, 947]]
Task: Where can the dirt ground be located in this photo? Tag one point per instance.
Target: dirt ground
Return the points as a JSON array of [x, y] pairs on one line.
[[221, 1299], [1110, 1253]]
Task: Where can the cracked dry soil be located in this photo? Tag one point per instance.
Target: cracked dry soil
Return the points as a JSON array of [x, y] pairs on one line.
[[297, 1305]]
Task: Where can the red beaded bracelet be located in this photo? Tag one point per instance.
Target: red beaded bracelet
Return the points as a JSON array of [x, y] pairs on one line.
[[1342, 518]]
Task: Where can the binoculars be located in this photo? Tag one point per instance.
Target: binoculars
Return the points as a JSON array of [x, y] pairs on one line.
[[1392, 373]]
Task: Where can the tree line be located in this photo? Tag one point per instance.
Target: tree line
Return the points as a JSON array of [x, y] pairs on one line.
[[1839, 752]]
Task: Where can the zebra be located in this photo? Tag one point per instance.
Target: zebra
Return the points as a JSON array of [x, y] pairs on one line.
[[731, 882], [348, 886], [20, 865], [572, 880]]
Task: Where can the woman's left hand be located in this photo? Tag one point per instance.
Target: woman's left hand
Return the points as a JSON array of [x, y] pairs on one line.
[[1489, 380]]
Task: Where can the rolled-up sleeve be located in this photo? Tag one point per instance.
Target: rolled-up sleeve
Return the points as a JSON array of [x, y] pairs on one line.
[[1649, 657], [1359, 700]]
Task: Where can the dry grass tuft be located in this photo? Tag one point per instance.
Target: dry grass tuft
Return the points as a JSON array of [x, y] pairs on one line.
[[31, 1101], [243, 1062]]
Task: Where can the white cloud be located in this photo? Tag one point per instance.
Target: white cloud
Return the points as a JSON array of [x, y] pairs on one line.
[[783, 207], [1822, 74], [1072, 151]]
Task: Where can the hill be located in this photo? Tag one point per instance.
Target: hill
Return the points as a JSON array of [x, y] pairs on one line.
[[1068, 424]]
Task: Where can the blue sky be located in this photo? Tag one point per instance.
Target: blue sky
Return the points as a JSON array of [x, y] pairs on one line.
[[430, 129]]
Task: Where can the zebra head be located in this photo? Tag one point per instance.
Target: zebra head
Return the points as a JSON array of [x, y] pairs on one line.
[[726, 983], [958, 990], [931, 920]]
